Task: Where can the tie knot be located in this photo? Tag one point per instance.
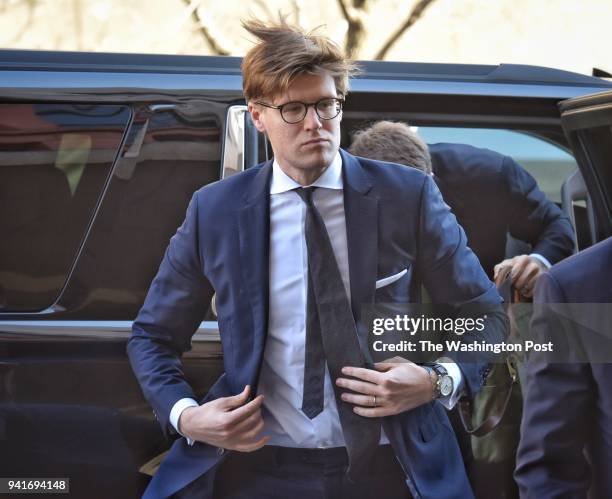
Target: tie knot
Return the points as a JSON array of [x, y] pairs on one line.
[[306, 194]]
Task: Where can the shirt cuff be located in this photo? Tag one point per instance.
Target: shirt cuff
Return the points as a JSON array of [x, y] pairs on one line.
[[176, 412], [541, 258], [455, 373]]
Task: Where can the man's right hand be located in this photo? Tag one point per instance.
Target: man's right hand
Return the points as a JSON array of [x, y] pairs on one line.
[[227, 422]]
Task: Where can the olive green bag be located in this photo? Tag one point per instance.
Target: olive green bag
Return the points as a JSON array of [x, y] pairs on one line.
[[493, 417]]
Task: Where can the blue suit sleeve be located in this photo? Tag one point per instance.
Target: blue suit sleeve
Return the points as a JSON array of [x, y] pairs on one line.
[[173, 309], [452, 275], [550, 460], [532, 217]]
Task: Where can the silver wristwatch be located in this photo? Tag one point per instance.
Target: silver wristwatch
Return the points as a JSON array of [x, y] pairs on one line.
[[444, 385]]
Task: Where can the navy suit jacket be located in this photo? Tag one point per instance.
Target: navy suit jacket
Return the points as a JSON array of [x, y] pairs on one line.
[[566, 431], [395, 220], [491, 195]]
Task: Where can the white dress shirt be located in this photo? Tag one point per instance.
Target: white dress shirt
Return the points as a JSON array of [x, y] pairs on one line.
[[282, 372], [542, 259]]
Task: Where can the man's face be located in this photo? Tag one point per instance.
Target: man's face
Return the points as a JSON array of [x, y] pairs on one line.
[[304, 149]]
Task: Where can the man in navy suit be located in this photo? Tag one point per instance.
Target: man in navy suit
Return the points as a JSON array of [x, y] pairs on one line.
[[384, 230], [566, 431]]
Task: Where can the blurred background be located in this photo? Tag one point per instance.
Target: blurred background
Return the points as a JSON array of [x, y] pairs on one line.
[[567, 34]]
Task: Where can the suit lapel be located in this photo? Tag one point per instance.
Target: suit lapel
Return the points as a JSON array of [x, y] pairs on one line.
[[254, 224], [361, 212]]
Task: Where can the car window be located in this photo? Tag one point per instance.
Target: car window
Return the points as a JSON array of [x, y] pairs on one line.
[[171, 151], [597, 143], [548, 163], [54, 162]]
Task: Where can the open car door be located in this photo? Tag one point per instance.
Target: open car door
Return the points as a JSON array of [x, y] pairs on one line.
[[587, 122]]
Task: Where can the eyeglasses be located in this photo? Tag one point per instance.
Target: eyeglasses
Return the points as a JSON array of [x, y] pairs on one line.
[[294, 112]]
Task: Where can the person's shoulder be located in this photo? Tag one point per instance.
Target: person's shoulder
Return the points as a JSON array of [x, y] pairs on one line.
[[581, 274], [462, 150], [235, 185], [391, 175], [463, 159]]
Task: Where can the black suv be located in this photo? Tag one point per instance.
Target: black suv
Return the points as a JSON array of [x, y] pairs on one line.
[[99, 155]]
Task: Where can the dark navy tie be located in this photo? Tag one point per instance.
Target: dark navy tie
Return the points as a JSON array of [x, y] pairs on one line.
[[331, 336]]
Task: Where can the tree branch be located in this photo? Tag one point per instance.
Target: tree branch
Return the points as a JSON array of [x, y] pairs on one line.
[[26, 26], [204, 29], [345, 11], [297, 11], [356, 31], [414, 15]]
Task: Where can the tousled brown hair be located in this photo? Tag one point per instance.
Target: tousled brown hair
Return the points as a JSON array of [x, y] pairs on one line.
[[285, 51], [394, 142]]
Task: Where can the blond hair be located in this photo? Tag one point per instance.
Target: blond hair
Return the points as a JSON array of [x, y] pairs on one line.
[[284, 52], [393, 142]]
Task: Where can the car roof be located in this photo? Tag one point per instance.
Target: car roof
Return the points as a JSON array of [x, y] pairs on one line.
[[178, 73], [102, 61]]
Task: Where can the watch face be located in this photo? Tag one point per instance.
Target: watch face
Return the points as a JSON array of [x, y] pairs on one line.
[[446, 386]]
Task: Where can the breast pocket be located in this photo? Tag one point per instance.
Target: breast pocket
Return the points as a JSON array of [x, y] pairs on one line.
[[394, 287]]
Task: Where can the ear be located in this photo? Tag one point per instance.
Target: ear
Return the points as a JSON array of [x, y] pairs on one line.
[[256, 114]]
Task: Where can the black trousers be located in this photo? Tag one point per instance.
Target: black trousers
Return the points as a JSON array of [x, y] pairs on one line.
[[289, 473]]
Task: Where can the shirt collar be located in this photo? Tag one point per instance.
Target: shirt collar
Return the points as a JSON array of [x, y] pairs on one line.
[[330, 179]]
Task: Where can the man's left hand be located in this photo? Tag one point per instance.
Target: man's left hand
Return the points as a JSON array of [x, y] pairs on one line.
[[393, 388]]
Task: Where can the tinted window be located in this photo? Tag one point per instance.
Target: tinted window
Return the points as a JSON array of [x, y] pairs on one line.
[[54, 161], [171, 152], [597, 145]]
